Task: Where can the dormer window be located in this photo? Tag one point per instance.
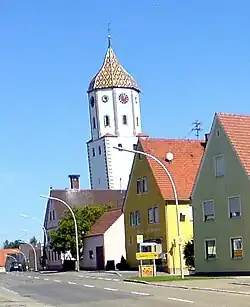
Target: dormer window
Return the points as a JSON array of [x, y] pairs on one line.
[[124, 120], [106, 121]]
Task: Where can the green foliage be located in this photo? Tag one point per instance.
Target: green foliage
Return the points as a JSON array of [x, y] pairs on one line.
[[189, 254], [13, 244], [63, 238], [33, 240]]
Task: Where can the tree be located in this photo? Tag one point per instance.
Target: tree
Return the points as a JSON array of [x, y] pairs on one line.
[[63, 238], [189, 254], [13, 244], [33, 241]]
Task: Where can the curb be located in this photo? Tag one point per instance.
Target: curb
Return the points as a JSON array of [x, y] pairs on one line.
[[114, 273], [187, 287]]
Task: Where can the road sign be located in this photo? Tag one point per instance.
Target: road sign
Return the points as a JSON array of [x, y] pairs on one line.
[[139, 239], [147, 256]]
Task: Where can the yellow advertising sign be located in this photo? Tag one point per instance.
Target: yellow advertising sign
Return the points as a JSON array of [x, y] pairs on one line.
[[147, 256], [147, 270]]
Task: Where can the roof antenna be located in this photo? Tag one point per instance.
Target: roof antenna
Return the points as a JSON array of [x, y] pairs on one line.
[[109, 36], [197, 128]]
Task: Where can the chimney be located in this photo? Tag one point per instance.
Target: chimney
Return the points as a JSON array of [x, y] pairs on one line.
[[74, 182], [206, 139]]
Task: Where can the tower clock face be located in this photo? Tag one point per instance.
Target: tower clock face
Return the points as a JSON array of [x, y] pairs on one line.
[[123, 98], [105, 98]]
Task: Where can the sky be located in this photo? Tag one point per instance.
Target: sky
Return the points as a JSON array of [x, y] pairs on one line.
[[190, 58]]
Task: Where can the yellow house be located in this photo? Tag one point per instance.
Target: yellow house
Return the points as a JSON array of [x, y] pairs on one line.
[[149, 206]]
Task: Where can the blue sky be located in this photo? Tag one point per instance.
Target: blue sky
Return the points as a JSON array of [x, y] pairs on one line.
[[190, 58]]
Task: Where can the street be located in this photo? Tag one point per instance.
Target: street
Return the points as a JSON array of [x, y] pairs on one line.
[[105, 290]]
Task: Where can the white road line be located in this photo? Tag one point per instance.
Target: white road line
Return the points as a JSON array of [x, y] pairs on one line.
[[108, 279], [37, 277], [180, 300], [100, 278], [116, 279], [89, 286], [80, 276], [71, 283], [29, 276], [110, 289], [140, 293], [46, 278], [56, 280]]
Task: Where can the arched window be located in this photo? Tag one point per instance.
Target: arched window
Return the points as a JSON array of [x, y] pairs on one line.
[[124, 120], [106, 121]]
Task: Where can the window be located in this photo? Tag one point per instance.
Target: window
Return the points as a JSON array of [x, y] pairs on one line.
[[234, 205], [137, 121], [218, 132], [182, 217], [144, 184], [53, 214], [156, 215], [130, 240], [134, 146], [219, 166], [94, 124], [93, 152], [91, 254], [138, 186], [120, 145], [210, 248], [137, 218], [92, 101], [150, 216], [124, 120], [236, 248], [132, 219], [106, 121], [208, 210], [50, 215], [100, 150]]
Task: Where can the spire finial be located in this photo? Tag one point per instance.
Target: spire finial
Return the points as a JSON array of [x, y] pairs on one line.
[[109, 36]]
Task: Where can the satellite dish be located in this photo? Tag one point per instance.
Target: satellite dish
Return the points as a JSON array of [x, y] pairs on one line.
[[169, 156]]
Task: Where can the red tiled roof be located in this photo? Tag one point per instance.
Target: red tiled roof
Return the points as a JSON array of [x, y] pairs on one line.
[[237, 128], [104, 223], [7, 251], [183, 168]]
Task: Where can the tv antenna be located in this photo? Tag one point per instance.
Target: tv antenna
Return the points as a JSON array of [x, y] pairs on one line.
[[197, 128]]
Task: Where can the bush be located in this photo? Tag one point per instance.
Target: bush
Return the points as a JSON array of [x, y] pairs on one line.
[[189, 254], [122, 265]]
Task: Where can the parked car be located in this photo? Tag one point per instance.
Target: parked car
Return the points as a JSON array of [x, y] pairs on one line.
[[15, 266]]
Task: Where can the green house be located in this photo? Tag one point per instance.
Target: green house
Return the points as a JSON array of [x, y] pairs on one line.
[[221, 198]]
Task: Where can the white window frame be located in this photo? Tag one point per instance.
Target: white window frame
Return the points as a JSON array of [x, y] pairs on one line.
[[137, 218], [231, 248], [140, 185], [156, 208], [132, 219], [205, 248], [215, 166], [229, 211], [209, 217], [152, 214], [144, 183]]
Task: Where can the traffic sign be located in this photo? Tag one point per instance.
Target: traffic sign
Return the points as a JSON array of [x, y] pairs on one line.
[[139, 239], [147, 256]]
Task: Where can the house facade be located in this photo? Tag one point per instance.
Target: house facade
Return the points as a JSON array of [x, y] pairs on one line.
[[105, 244], [75, 197], [149, 206], [220, 198]]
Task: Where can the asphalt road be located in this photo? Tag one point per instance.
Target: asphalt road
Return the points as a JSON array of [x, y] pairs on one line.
[[89, 289]]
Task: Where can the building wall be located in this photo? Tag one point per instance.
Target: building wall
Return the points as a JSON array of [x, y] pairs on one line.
[[106, 169], [142, 202], [235, 182], [90, 244], [114, 241]]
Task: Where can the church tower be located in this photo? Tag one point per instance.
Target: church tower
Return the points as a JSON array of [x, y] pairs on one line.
[[115, 120]]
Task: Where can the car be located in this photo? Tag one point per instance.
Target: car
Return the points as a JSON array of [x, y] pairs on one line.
[[15, 266]]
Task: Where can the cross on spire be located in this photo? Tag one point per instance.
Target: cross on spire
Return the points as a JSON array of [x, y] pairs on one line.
[[109, 36]]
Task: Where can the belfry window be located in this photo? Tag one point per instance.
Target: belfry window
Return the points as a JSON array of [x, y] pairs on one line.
[[124, 120], [137, 121], [94, 124], [106, 121]]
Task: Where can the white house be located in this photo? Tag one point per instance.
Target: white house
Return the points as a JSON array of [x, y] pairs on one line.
[[106, 242]]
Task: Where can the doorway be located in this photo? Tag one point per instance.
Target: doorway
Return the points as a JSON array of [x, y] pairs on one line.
[[99, 257]]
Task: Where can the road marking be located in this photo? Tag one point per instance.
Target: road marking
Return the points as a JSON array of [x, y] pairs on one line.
[[108, 279], [56, 280], [71, 283], [180, 300], [140, 293], [110, 289], [29, 276], [89, 286], [100, 278], [81, 276], [116, 279], [46, 278], [37, 277]]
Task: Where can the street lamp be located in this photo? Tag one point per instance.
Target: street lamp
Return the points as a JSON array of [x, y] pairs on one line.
[[169, 158], [40, 223], [34, 251], [20, 252], [76, 228]]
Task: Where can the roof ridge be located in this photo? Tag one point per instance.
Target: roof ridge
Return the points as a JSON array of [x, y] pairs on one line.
[[173, 139], [231, 114]]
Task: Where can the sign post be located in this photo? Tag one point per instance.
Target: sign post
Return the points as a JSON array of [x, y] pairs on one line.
[[147, 270], [139, 239]]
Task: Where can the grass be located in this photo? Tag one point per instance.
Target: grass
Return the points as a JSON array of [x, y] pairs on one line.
[[171, 278]]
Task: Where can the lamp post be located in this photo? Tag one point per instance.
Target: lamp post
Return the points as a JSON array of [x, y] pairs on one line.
[[76, 228], [20, 252], [170, 157], [34, 251]]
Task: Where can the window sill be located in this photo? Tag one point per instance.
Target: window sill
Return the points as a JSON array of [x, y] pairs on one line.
[[235, 217], [211, 259], [237, 258]]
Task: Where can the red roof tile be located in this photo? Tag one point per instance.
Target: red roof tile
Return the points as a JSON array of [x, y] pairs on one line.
[[104, 223], [237, 127], [184, 167]]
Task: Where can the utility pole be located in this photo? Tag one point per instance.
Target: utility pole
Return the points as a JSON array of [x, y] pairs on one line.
[[197, 128]]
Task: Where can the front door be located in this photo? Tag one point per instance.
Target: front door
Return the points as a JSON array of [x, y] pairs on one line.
[[99, 258]]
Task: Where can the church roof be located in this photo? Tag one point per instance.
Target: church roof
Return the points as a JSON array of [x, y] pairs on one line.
[[112, 74]]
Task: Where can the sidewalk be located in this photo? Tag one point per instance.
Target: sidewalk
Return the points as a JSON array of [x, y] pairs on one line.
[[235, 285]]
